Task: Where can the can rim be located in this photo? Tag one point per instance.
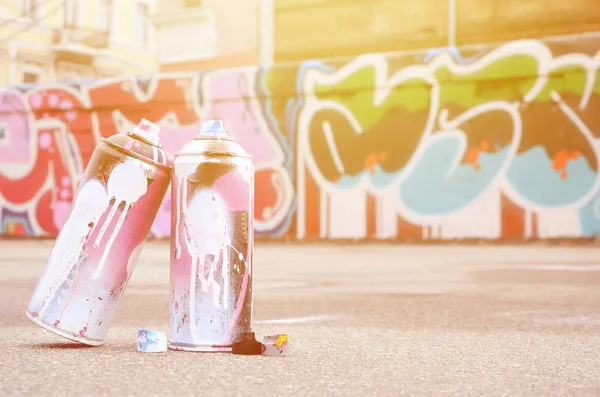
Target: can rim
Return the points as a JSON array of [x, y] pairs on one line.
[[136, 155], [214, 154], [141, 138]]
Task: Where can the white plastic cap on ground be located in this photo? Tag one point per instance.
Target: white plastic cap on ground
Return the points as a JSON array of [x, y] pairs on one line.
[[151, 341], [276, 345], [148, 131]]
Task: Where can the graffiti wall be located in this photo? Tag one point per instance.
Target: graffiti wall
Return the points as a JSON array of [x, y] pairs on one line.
[[491, 143]]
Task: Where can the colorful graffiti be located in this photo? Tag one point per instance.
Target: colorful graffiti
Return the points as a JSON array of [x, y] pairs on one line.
[[47, 135], [489, 143]]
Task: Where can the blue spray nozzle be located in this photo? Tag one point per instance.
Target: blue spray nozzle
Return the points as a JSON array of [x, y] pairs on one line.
[[213, 128]]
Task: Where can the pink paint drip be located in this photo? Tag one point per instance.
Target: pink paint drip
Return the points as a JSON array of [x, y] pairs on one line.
[[83, 331]]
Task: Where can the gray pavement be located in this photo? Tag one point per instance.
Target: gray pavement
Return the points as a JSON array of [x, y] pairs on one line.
[[363, 320]]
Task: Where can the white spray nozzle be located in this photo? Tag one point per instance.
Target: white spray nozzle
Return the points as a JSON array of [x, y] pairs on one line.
[[213, 127], [148, 131]]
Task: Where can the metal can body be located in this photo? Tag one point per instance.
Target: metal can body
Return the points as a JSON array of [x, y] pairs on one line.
[[211, 248], [98, 246]]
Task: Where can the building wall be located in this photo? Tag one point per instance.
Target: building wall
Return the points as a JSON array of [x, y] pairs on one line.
[[487, 142], [28, 40], [309, 29], [207, 34]]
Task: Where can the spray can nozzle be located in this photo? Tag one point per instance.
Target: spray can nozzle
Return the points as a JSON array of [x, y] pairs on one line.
[[147, 130], [213, 129]]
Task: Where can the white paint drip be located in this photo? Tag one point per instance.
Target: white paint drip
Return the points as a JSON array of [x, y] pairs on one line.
[[111, 214], [109, 244], [225, 276], [207, 237], [180, 200], [88, 207], [300, 320], [204, 233], [126, 184]]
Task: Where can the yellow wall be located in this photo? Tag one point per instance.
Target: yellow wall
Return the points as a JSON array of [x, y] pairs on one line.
[[25, 42], [225, 33]]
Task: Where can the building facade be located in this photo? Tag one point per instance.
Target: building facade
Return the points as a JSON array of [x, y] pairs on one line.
[[64, 40], [209, 34], [316, 29]]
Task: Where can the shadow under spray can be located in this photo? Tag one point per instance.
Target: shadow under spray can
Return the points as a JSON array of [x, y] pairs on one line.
[[98, 246], [212, 242]]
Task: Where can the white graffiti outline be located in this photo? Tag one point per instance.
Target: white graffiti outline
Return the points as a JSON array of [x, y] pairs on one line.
[[285, 186], [546, 64], [451, 127], [61, 136], [17, 171], [130, 84]]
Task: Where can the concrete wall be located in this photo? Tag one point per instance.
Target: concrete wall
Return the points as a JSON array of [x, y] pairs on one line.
[[497, 142]]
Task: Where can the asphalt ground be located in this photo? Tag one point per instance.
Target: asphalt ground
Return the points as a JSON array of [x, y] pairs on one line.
[[363, 320]]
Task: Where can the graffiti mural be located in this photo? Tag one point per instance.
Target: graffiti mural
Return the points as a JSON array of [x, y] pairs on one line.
[[48, 133], [448, 148], [490, 143]]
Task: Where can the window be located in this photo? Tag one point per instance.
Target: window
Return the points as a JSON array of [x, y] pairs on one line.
[[73, 11], [141, 23], [30, 72], [106, 10], [30, 77], [67, 71], [31, 9]]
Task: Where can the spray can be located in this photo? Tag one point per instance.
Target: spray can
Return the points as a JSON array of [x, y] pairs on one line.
[[212, 242], [97, 248]]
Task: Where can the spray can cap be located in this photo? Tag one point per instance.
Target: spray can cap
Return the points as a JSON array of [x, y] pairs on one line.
[[148, 131], [213, 129]]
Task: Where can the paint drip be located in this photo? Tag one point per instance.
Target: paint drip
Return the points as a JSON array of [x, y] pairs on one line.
[[126, 184]]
